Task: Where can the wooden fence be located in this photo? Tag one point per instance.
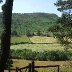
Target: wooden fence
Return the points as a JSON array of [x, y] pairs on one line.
[[31, 68]]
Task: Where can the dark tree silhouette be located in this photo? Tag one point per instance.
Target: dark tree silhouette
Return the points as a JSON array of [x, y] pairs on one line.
[[5, 40]]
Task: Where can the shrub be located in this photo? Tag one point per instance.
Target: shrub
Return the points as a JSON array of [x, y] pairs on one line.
[[39, 33], [57, 56], [29, 33], [41, 56], [44, 56]]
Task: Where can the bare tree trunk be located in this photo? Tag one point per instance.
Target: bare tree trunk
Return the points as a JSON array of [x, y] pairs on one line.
[[5, 40]]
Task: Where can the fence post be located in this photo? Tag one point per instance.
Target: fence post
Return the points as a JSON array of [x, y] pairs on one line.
[[33, 64], [58, 68], [17, 69], [9, 69], [29, 67], [20, 70]]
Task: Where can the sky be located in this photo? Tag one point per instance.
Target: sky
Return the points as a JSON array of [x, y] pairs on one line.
[[33, 6]]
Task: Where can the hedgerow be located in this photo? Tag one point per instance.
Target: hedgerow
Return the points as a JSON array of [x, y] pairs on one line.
[[44, 56]]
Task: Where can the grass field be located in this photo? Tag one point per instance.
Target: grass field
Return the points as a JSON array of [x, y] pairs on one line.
[[43, 39], [52, 43], [38, 47], [34, 39], [20, 39], [40, 43]]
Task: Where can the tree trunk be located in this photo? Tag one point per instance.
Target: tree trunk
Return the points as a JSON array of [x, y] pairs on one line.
[[5, 40]]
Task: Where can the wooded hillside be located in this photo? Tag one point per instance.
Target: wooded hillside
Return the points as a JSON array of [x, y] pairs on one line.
[[30, 22]]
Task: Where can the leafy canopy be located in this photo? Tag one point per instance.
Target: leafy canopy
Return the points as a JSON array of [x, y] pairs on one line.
[[63, 28], [64, 4], [1, 1]]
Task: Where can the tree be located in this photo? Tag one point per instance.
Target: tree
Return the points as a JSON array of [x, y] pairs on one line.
[[5, 40], [1, 1], [63, 29], [64, 5]]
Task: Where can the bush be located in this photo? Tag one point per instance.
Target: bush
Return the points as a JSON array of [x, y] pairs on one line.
[[41, 56], [23, 54], [57, 56], [39, 33], [44, 56], [29, 34]]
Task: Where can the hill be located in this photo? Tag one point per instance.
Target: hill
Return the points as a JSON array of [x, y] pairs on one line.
[[31, 22]]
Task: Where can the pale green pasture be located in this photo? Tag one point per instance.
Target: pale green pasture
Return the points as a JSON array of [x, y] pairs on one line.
[[38, 47], [20, 39], [43, 39]]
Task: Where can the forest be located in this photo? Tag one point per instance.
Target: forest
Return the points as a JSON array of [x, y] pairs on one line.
[[30, 23]]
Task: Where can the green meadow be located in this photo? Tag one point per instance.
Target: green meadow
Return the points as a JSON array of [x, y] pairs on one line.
[[38, 47], [36, 43]]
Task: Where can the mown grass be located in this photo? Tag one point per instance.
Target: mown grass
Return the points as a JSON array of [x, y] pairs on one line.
[[38, 47], [38, 43], [43, 39], [34, 39], [20, 39]]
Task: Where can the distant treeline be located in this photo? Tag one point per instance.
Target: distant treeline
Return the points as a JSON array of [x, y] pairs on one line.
[[30, 23]]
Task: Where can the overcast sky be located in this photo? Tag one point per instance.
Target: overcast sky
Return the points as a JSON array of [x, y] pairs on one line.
[[31, 6]]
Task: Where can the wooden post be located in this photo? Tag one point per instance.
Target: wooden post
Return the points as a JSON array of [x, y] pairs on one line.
[[17, 69], [33, 64], [20, 70], [58, 68], [29, 67], [9, 69]]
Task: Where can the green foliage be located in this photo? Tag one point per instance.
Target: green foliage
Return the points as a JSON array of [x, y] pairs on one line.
[[41, 56], [64, 4], [22, 23], [44, 56], [57, 56], [32, 22], [63, 29], [28, 33], [39, 33], [1, 1], [23, 54]]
